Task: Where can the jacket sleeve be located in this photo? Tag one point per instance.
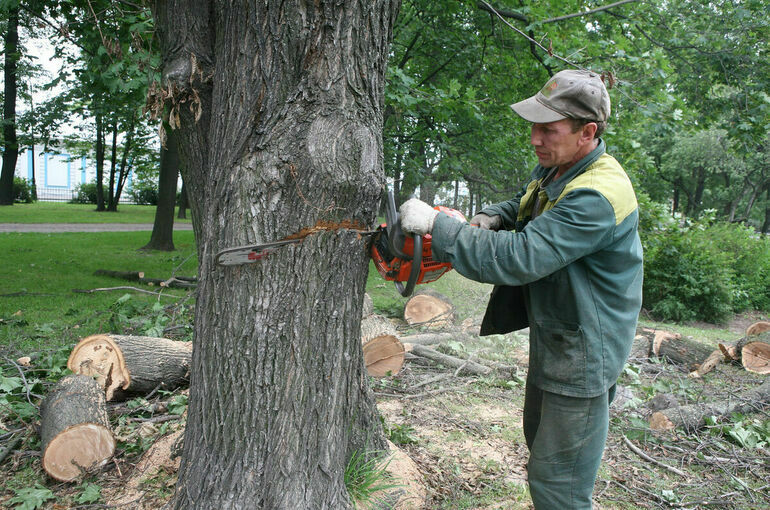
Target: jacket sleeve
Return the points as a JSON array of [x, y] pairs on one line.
[[581, 223], [508, 210]]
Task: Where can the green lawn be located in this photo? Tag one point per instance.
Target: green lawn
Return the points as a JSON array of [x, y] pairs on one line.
[[58, 212], [38, 307]]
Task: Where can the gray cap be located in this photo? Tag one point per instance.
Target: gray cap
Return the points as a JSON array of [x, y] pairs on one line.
[[572, 93]]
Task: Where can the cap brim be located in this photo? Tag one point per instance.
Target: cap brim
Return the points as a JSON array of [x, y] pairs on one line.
[[534, 111]]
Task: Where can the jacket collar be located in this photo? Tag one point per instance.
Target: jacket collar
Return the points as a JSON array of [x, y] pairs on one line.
[[554, 189]]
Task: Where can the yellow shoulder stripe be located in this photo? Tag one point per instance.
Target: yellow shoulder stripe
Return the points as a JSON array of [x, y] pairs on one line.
[[607, 177]]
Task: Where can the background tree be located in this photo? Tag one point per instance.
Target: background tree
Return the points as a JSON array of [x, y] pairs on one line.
[[281, 139], [162, 237], [10, 142]]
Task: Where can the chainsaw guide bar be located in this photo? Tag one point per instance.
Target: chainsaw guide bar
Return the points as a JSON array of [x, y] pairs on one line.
[[249, 254], [252, 253]]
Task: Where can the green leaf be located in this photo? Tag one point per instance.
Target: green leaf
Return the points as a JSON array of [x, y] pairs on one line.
[[8, 384], [30, 499], [91, 493]]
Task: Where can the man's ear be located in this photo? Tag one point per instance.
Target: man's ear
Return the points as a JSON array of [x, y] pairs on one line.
[[589, 130]]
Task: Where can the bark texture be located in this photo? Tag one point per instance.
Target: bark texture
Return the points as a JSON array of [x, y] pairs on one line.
[[162, 237], [280, 129], [11, 146]]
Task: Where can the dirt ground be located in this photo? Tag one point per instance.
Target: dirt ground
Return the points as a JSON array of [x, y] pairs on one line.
[[459, 443]]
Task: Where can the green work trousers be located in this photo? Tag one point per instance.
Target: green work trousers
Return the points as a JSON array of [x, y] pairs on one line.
[[565, 437]]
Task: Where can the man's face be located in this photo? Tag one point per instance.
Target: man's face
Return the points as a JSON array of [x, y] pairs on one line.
[[556, 145]]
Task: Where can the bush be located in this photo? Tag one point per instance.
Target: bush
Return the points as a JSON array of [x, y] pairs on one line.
[[706, 270], [686, 279], [144, 193], [22, 191], [86, 194]]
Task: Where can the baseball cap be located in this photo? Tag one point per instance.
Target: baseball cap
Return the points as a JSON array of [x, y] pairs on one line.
[[571, 93]]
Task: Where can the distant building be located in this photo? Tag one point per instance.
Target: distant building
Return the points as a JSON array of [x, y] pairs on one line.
[[58, 174]]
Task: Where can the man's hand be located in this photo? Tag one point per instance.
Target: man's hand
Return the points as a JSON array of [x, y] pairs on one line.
[[417, 217], [487, 222]]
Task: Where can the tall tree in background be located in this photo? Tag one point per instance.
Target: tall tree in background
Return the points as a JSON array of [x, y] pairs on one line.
[[10, 142], [280, 126], [162, 237]]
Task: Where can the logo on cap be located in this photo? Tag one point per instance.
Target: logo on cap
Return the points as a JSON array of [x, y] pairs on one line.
[[549, 87]]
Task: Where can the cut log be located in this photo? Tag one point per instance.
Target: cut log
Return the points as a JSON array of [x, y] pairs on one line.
[[383, 356], [695, 356], [138, 276], [753, 352], [692, 417], [468, 366], [641, 348], [757, 328], [436, 338], [74, 428], [383, 351], [132, 365], [429, 309]]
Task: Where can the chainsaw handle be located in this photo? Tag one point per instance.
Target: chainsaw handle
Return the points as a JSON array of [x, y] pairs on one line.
[[414, 273]]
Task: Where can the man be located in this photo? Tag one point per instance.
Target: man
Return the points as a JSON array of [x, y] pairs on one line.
[[565, 257]]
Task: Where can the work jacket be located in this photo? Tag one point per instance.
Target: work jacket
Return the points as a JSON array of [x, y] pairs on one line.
[[573, 273]]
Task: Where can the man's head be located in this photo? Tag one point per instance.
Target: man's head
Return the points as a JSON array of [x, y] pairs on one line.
[[568, 115]]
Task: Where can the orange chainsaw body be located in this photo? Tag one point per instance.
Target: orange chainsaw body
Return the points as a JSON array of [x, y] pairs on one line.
[[394, 254]]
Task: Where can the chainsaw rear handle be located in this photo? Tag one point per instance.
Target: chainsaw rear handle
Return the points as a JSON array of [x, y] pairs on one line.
[[396, 239], [414, 273]]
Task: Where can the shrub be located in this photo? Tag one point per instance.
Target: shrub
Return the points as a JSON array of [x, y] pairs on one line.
[[704, 270], [22, 191], [144, 193], [85, 194], [686, 279]]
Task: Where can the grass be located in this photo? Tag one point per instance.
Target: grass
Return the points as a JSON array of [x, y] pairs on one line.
[[39, 272], [58, 212]]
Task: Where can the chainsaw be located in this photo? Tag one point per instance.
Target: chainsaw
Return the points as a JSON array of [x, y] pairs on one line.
[[403, 259]]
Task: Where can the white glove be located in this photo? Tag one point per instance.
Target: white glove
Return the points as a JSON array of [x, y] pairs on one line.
[[487, 222], [417, 217]]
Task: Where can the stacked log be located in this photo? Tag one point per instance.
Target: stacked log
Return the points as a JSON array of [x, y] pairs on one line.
[[74, 428], [132, 365]]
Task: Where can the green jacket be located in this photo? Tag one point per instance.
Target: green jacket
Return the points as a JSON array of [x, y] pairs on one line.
[[579, 265]]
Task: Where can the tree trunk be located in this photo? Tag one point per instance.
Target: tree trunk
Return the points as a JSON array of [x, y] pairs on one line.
[[11, 145], [766, 224], [125, 166], [99, 118], [182, 214], [75, 431], [113, 166], [278, 135], [162, 237]]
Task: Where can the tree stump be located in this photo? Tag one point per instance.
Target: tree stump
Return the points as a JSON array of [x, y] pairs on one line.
[[692, 417], [74, 428], [429, 309], [132, 365]]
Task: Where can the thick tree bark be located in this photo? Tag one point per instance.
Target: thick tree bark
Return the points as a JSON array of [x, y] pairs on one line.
[[280, 131], [162, 237], [11, 148]]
